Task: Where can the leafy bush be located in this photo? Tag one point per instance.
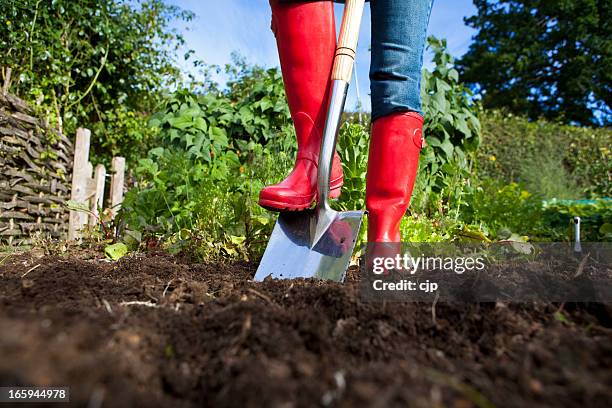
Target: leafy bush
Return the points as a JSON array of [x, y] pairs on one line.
[[199, 187], [595, 218], [99, 64], [502, 209], [513, 148], [451, 129], [209, 207], [194, 125]]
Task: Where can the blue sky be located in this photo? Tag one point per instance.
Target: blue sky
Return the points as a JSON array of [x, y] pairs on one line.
[[221, 27]]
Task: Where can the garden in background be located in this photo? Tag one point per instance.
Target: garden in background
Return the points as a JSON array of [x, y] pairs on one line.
[[156, 305]]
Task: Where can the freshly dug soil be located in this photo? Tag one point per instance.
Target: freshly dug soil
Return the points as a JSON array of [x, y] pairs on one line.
[[156, 330]]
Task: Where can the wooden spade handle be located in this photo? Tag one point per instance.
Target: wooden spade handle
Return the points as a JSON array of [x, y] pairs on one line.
[[347, 42]]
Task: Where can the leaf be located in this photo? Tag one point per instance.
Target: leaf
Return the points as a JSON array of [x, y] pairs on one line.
[[132, 238], [439, 100], [181, 122], [461, 125], [237, 240], [433, 141], [200, 124], [156, 152], [447, 147], [606, 228], [474, 235], [560, 317], [265, 104], [154, 122], [245, 114], [116, 251]]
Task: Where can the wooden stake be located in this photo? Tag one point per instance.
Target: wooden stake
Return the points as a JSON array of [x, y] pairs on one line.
[[117, 180], [80, 175], [97, 201]]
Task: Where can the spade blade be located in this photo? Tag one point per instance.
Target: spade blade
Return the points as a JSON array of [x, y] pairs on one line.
[[290, 253]]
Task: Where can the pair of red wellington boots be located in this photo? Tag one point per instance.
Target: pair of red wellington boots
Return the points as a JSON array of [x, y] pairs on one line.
[[306, 39]]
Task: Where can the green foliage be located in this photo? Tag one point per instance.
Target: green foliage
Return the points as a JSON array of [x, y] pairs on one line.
[[194, 124], [261, 111], [451, 129], [552, 160], [595, 218], [547, 176], [540, 58], [199, 188], [502, 209], [353, 143], [418, 228], [208, 207], [96, 64]]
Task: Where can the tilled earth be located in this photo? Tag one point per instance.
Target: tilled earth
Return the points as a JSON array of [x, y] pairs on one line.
[[156, 330]]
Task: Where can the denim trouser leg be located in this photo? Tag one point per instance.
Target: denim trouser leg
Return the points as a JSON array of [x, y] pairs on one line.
[[399, 30]]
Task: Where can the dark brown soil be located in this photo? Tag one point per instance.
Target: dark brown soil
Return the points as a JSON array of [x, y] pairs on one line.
[[206, 335]]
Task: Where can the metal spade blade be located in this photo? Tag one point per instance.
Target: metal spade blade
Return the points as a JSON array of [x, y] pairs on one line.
[[289, 253]]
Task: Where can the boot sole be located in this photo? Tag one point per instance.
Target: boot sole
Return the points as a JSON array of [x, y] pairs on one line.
[[279, 206]]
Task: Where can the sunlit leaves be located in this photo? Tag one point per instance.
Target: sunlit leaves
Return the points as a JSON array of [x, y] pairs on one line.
[[451, 129]]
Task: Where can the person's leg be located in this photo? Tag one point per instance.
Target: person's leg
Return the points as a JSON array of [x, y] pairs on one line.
[[399, 29], [306, 39]]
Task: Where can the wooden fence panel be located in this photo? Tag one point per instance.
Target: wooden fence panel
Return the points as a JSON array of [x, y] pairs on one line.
[[35, 167]]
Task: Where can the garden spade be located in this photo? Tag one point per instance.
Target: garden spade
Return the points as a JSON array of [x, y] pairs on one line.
[[319, 242]]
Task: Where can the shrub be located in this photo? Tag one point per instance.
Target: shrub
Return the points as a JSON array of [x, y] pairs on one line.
[[595, 218], [199, 187], [451, 129], [502, 209], [576, 159], [209, 207]]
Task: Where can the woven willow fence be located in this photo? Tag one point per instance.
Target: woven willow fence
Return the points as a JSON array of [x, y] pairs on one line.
[[35, 172]]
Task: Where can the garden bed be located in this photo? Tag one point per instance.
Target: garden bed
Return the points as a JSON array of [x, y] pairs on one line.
[[157, 330]]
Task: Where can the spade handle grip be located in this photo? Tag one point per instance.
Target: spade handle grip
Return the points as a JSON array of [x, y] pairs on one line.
[[347, 42]]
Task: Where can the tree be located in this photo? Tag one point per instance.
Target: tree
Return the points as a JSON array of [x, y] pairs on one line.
[[95, 63], [543, 58]]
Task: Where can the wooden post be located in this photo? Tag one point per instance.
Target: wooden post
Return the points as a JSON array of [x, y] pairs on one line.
[[7, 80], [117, 179], [80, 175], [97, 201]]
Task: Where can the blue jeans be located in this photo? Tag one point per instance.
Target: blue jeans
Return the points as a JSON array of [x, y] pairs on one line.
[[399, 31]]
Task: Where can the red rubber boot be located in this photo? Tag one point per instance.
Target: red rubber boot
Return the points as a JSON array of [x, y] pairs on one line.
[[393, 161], [306, 40]]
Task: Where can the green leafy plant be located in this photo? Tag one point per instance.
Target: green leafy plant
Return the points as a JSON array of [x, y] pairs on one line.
[[97, 64], [195, 125], [502, 209], [595, 218], [353, 143], [452, 129]]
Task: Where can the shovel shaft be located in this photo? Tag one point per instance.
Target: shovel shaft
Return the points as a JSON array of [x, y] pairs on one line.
[[341, 76], [347, 41], [328, 143]]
